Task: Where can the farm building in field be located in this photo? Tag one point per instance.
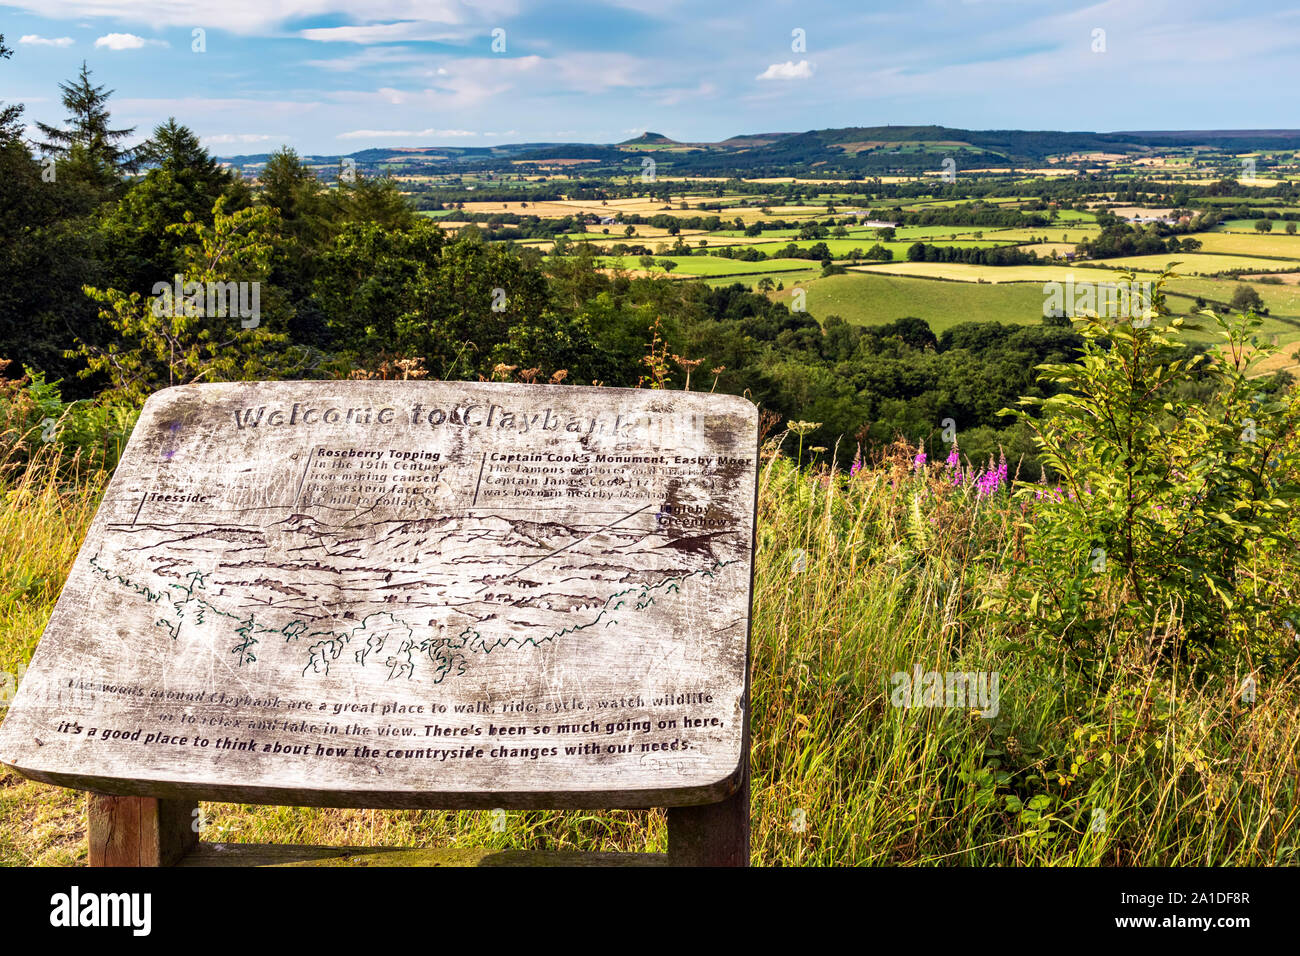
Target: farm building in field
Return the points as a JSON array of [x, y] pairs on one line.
[[880, 224]]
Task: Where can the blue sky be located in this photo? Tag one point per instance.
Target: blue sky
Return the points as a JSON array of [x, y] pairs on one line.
[[328, 76]]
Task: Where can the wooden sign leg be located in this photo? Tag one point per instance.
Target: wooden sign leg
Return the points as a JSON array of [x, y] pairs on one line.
[[716, 834], [139, 831]]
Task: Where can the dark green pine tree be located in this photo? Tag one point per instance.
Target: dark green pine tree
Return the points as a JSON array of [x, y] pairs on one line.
[[9, 115], [182, 179], [175, 146], [88, 144]]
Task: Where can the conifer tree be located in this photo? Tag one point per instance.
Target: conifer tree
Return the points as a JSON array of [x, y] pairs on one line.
[[88, 141], [9, 128]]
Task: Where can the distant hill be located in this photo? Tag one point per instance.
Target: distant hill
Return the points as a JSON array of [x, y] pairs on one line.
[[864, 150], [649, 139]]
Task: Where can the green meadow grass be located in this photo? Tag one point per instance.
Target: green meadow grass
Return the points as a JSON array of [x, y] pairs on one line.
[[871, 299], [797, 278], [874, 298], [1276, 244], [709, 265]]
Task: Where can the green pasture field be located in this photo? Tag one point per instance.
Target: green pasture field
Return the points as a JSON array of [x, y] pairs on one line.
[[841, 247], [869, 299], [967, 273], [909, 233], [1248, 225], [1282, 301], [709, 265], [930, 203], [788, 278], [1073, 215], [1276, 243]]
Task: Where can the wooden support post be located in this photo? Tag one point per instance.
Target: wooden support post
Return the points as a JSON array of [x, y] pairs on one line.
[[716, 834], [139, 831]]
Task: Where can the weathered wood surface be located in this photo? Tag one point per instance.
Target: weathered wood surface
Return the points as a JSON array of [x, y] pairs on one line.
[[275, 854], [341, 593], [714, 834], [139, 831]]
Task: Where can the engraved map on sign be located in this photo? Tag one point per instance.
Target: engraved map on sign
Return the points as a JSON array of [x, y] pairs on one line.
[[535, 589]]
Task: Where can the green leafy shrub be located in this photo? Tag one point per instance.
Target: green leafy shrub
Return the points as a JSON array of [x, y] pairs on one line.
[[1167, 506], [37, 425]]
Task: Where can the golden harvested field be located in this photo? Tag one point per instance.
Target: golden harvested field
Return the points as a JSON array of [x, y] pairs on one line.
[[1048, 171], [1200, 263], [1285, 359], [546, 163], [642, 206], [1286, 278], [749, 214], [832, 182], [1128, 212], [1072, 233], [1047, 248], [791, 212], [568, 207], [1095, 157]]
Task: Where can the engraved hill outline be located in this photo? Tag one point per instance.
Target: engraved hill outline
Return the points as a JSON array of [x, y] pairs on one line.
[[288, 578]]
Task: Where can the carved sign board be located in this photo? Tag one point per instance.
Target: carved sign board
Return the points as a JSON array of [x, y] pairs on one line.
[[408, 594]]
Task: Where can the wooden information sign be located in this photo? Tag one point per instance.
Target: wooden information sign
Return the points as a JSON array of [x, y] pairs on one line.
[[406, 594]]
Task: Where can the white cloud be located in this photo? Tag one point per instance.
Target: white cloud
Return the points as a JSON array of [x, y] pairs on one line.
[[789, 70], [224, 138], [35, 40], [405, 31], [126, 41], [404, 133], [470, 83], [258, 17]]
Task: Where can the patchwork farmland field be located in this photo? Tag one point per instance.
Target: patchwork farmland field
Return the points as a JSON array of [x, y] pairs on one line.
[[1198, 263], [965, 273], [707, 265], [867, 299], [941, 293]]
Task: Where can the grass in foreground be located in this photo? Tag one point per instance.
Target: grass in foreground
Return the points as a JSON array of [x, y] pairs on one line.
[[895, 561]]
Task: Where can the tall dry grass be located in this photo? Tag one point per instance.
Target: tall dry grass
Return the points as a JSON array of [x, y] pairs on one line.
[[895, 561]]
